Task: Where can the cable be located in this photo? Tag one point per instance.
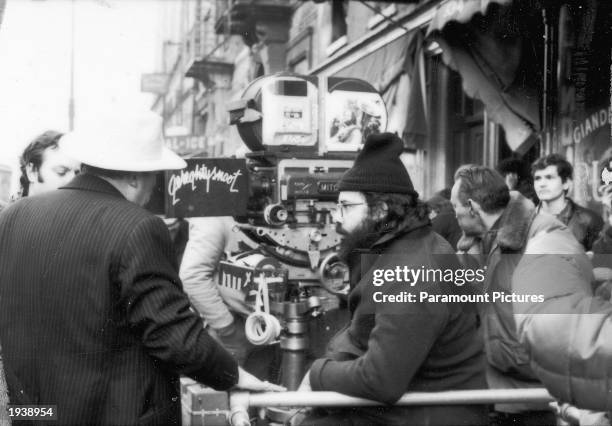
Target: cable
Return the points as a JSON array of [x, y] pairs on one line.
[[261, 328]]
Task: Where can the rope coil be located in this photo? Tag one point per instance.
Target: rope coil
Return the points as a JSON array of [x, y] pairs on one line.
[[261, 327]]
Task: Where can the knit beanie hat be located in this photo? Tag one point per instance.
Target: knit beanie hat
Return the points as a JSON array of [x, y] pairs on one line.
[[378, 168]]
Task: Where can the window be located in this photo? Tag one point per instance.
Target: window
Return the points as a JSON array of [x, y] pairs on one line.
[[466, 126], [339, 8], [300, 65], [338, 26], [299, 52]]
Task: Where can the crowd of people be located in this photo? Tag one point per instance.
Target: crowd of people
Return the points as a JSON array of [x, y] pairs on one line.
[[98, 318]]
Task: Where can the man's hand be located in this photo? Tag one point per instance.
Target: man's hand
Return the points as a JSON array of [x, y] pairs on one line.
[[305, 385], [249, 382]]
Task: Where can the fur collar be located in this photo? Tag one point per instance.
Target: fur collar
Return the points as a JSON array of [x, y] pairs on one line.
[[514, 226]]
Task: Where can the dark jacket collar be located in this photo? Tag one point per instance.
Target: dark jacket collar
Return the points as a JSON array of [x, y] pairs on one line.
[[387, 238], [406, 227], [566, 213], [359, 263], [89, 182]]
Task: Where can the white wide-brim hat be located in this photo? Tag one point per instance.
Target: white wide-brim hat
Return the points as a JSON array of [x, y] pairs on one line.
[[131, 143]]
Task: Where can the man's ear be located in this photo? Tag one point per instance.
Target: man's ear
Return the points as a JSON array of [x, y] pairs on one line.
[[380, 211], [475, 208], [31, 172], [567, 185], [132, 180]]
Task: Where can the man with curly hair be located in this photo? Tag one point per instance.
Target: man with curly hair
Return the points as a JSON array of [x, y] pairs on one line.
[[44, 166]]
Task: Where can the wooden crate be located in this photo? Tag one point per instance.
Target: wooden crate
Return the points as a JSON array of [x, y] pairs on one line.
[[201, 405]]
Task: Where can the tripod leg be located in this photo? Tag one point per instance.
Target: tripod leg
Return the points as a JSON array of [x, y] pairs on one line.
[[292, 368]]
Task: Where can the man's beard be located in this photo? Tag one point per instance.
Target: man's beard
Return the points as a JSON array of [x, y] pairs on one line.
[[364, 236]]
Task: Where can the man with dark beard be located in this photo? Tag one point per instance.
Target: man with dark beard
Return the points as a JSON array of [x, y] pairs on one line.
[[389, 348]]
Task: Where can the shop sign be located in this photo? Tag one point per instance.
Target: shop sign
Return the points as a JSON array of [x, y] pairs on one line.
[[585, 114], [156, 83], [187, 144], [576, 131]]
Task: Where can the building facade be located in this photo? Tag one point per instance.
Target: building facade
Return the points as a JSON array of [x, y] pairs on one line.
[[463, 81]]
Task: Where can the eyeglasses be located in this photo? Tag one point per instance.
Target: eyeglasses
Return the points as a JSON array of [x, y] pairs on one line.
[[340, 207]]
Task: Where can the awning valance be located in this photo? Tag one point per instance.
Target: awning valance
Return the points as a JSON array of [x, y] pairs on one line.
[[381, 67], [495, 47], [211, 71]]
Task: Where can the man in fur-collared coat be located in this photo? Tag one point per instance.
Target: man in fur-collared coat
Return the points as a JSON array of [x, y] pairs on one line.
[[497, 225]]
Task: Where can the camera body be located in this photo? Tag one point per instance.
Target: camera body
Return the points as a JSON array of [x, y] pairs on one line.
[[304, 133], [289, 222]]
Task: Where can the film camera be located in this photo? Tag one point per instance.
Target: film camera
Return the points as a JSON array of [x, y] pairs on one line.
[[303, 132]]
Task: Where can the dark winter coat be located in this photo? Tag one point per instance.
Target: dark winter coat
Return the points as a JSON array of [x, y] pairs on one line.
[[569, 335], [93, 318], [388, 349], [445, 221], [445, 224], [508, 363]]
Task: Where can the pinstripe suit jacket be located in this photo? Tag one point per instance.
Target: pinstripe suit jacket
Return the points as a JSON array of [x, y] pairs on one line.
[[92, 313]]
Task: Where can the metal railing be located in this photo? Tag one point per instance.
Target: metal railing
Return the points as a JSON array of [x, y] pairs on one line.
[[241, 401]]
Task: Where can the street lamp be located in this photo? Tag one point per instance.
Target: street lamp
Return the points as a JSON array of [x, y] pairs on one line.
[[71, 105]]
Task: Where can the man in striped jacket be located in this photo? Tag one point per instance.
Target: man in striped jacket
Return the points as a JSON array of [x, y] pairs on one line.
[[93, 319]]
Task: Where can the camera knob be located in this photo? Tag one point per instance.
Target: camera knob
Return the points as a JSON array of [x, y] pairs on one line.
[[275, 214], [315, 236]]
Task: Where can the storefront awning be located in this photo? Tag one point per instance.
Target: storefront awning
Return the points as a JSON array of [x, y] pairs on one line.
[[381, 67], [492, 44]]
